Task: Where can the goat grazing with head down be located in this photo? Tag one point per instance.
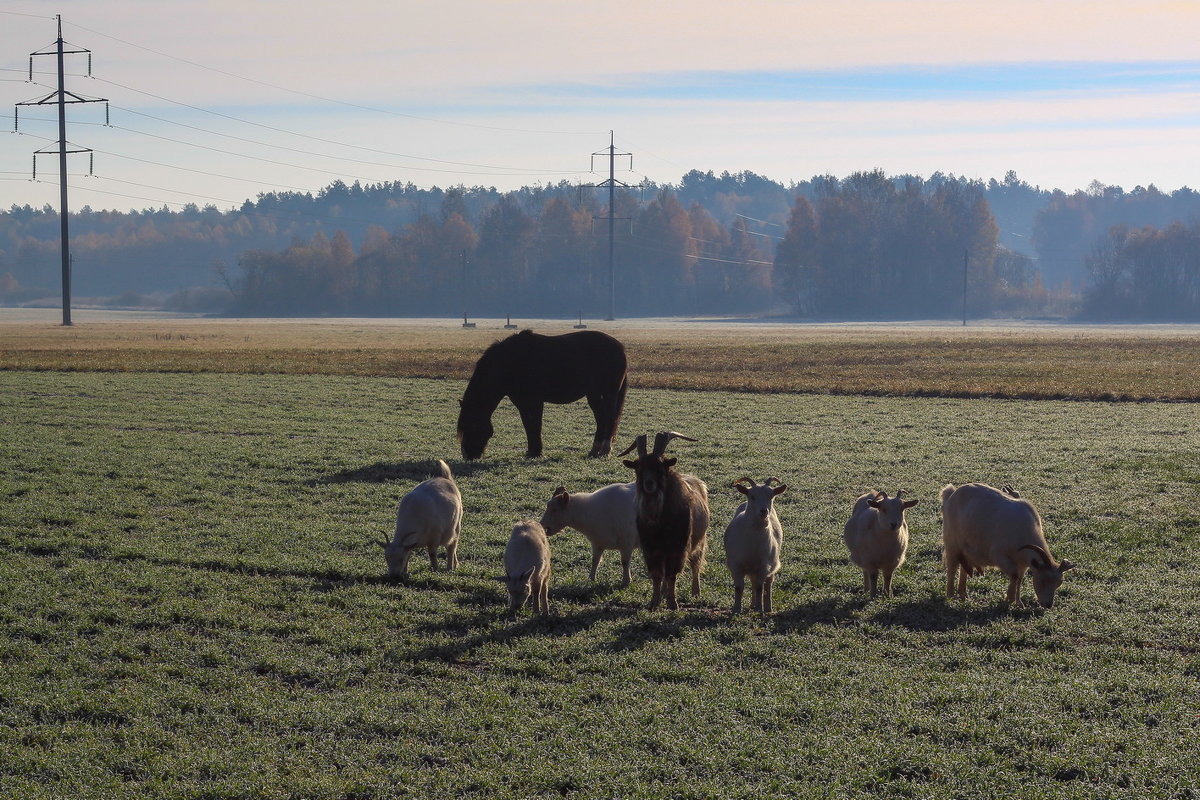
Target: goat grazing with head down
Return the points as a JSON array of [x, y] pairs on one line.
[[672, 518], [877, 537], [986, 527], [753, 543], [429, 516]]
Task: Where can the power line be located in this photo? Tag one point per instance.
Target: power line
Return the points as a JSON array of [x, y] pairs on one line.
[[517, 170], [188, 169], [331, 100]]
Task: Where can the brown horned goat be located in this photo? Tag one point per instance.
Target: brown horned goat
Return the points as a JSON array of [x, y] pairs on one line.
[[672, 518]]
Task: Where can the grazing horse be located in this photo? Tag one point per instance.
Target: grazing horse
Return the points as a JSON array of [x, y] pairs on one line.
[[531, 370]]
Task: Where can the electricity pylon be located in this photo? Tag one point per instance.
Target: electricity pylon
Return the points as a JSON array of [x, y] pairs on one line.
[[60, 98], [612, 183]]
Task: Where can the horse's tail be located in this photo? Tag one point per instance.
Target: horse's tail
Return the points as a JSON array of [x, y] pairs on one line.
[[443, 470], [620, 406]]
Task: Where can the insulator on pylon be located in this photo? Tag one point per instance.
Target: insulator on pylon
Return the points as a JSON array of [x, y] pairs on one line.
[[106, 114], [31, 69], [92, 164], [89, 65], [35, 166], [16, 125]]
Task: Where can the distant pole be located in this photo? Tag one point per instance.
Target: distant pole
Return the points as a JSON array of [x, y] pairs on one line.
[[612, 202], [61, 98], [612, 183], [965, 253], [62, 182], [464, 291]]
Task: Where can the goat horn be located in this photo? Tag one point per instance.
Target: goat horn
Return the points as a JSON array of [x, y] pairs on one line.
[[1041, 551], [639, 443], [663, 438], [900, 493], [747, 480]]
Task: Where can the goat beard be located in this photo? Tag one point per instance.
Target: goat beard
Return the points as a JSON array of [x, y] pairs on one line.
[[650, 506]]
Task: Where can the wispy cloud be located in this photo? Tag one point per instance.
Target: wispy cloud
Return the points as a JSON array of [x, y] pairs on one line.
[[897, 82]]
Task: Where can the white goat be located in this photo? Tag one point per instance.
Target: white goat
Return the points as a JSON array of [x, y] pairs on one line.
[[527, 567], [754, 542], [985, 527], [877, 536], [606, 517], [429, 516]]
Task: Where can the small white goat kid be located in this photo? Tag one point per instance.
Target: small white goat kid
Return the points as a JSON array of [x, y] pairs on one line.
[[754, 543], [429, 516], [877, 537], [607, 517], [527, 567], [986, 527]]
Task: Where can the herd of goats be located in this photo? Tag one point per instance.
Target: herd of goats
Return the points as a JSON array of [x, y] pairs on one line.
[[665, 512]]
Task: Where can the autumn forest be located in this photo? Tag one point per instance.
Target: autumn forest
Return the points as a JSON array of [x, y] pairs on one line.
[[867, 246]]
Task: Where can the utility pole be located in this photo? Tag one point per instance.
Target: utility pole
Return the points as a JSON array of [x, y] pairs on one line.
[[465, 291], [59, 98], [966, 254], [612, 183]]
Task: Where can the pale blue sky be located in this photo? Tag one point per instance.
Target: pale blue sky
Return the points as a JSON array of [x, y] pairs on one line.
[[216, 102]]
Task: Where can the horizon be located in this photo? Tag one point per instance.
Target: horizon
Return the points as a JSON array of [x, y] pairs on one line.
[[205, 109]]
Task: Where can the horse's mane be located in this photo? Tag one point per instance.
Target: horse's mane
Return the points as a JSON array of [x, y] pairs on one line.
[[500, 345], [484, 382]]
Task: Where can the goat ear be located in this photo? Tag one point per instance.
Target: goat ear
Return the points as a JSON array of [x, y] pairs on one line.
[[1066, 566], [910, 503], [630, 464], [873, 503], [669, 462], [741, 487], [780, 489]]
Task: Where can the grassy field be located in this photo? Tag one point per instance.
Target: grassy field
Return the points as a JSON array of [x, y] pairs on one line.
[[1023, 362], [192, 607]]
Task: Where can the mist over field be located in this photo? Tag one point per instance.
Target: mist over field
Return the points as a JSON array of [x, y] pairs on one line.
[[864, 247]]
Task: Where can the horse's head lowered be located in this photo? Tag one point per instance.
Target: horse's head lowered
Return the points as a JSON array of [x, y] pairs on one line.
[[474, 431]]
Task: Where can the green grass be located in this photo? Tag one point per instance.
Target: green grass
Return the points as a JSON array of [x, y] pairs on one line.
[[192, 608]]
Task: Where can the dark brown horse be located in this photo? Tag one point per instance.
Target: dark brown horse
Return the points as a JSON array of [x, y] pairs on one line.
[[531, 370]]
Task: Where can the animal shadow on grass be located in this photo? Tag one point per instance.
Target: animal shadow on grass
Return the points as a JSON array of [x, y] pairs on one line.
[[924, 613], [823, 611], [323, 580], [637, 633], [494, 626], [934, 614], [403, 472]]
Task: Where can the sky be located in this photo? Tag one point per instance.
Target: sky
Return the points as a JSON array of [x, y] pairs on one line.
[[216, 102]]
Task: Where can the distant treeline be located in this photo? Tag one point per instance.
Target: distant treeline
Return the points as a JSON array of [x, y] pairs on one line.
[[864, 246]]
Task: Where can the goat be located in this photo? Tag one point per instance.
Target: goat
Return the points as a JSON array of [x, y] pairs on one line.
[[429, 516], [607, 517], [527, 567], [672, 518], [877, 537], [985, 527], [753, 543]]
